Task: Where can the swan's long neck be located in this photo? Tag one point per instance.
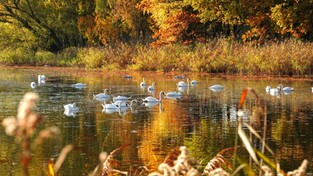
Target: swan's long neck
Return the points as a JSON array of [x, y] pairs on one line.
[[160, 95]]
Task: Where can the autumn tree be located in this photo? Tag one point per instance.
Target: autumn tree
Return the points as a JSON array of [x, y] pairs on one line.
[[108, 22], [293, 18], [54, 23], [172, 21]]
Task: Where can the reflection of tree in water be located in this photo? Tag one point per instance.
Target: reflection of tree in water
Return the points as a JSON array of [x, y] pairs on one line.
[[164, 132]]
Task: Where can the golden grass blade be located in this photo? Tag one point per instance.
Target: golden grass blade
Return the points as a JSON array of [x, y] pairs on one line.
[[50, 168], [259, 137], [67, 149], [246, 142], [238, 169]]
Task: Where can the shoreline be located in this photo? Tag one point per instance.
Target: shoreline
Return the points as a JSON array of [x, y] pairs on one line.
[[172, 73]]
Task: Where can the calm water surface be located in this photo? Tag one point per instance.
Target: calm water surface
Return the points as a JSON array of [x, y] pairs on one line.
[[202, 120]]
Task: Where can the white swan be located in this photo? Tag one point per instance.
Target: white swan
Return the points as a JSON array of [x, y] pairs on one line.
[[120, 98], [71, 107], [143, 83], [285, 89], [152, 99], [102, 96], [112, 106], [180, 76], [152, 87], [183, 84], [312, 89], [173, 94], [267, 89], [33, 85], [216, 88], [194, 82], [79, 85], [41, 79]]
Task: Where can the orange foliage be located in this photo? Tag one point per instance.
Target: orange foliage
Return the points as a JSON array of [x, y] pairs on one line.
[[177, 29]]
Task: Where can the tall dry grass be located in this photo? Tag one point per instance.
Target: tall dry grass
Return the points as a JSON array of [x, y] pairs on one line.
[[220, 55], [291, 58]]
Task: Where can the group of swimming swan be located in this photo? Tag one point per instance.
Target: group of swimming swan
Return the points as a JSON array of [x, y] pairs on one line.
[[279, 89], [120, 102], [149, 101], [41, 79]]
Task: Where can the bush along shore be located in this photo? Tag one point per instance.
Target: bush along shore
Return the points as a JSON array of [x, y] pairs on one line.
[[287, 58]]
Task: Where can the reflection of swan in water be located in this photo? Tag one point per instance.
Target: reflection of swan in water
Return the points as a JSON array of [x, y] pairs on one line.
[[79, 85], [70, 113], [173, 95], [216, 88], [152, 99], [102, 96], [119, 106], [33, 85], [150, 104], [183, 84], [120, 98]]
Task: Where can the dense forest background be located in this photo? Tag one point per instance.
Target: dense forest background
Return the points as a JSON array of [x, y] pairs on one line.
[[29, 26]]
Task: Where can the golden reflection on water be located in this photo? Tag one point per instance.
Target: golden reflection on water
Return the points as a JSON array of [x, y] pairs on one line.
[[200, 120]]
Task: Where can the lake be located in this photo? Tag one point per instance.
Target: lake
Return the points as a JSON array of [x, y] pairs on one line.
[[203, 120]]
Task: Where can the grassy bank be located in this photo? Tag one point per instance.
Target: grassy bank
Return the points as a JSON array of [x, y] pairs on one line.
[[291, 58]]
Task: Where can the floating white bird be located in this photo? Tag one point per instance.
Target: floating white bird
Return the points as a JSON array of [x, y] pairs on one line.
[[153, 99], [151, 88], [71, 107], [285, 89], [79, 85], [312, 89], [173, 94], [127, 77], [180, 76], [110, 106], [102, 96], [41, 79], [267, 89], [33, 85], [120, 98], [143, 83], [194, 82], [216, 88], [183, 84]]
